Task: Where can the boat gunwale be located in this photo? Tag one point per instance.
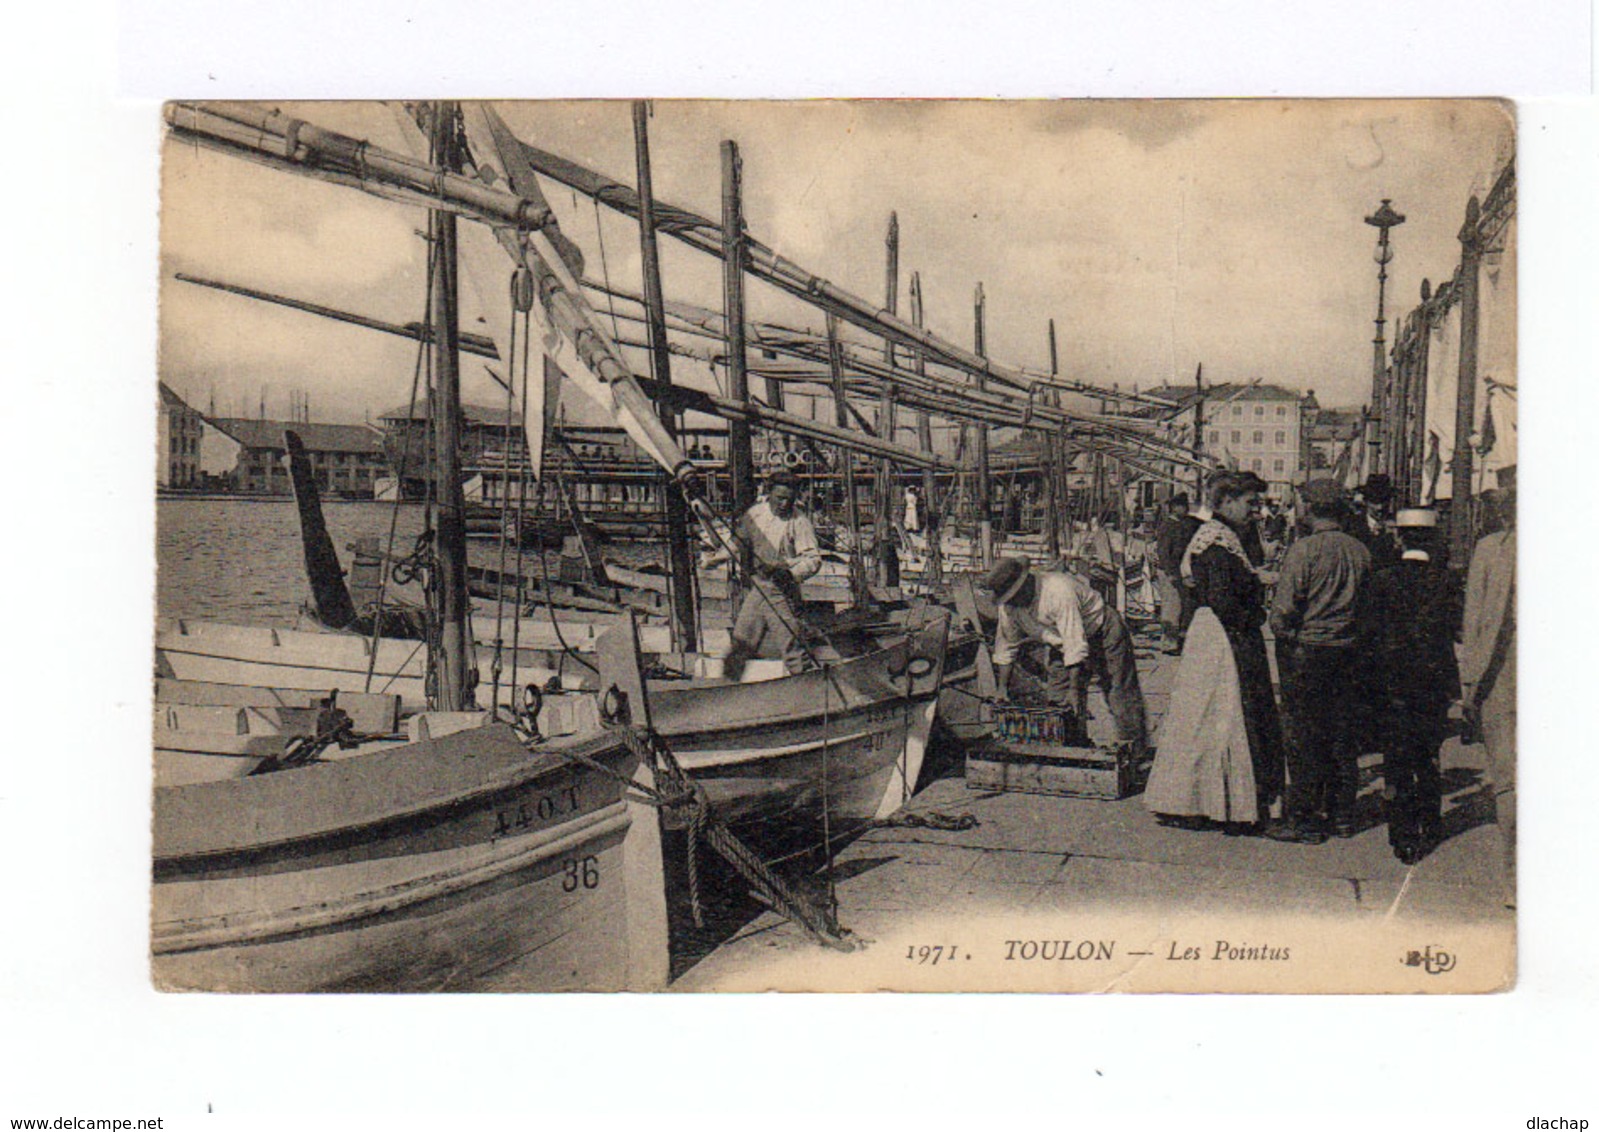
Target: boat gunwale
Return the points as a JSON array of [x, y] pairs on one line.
[[665, 700], [541, 762], [225, 930]]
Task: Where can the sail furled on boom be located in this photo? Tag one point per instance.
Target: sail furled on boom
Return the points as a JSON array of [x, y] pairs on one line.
[[571, 334], [487, 288]]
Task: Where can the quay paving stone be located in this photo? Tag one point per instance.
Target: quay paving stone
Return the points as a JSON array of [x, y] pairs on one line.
[[994, 897], [1431, 900], [904, 882], [1100, 884], [1023, 867]]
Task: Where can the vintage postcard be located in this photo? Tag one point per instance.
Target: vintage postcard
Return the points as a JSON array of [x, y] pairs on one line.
[[840, 545]]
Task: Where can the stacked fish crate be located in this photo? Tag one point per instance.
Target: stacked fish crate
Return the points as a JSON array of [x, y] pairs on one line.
[[1047, 751]]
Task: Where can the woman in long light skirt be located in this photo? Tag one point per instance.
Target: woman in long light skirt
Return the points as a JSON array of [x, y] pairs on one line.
[[1220, 755]]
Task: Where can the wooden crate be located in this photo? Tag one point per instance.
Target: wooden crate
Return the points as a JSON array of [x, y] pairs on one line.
[[1039, 768], [1038, 726]]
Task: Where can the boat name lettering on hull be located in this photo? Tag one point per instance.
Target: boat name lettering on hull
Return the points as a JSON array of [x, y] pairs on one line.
[[536, 811]]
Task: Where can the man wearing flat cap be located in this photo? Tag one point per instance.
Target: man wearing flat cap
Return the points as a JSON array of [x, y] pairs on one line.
[[1057, 630], [1408, 642], [1313, 619]]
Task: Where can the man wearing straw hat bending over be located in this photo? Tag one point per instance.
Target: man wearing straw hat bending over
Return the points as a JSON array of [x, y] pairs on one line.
[[1056, 629]]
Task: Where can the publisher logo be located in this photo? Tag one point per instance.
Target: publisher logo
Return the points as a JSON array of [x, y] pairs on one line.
[[1433, 960]]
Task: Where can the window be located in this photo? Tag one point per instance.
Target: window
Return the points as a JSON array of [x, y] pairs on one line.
[[1282, 436], [1235, 436], [1260, 410], [1277, 466], [1260, 437], [1215, 436], [1238, 410], [1255, 464], [1282, 410]]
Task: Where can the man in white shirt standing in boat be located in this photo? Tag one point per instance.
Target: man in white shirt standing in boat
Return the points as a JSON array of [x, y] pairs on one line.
[[1058, 631], [785, 553]]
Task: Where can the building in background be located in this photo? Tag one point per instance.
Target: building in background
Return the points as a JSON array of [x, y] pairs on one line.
[[1330, 435], [1252, 428], [179, 429], [345, 459]]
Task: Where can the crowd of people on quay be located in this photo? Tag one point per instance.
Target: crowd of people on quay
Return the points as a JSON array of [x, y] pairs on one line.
[[1379, 647]]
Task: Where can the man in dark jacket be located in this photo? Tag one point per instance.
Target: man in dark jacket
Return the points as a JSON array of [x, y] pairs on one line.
[[1314, 615], [1176, 527], [1408, 632], [1372, 524]]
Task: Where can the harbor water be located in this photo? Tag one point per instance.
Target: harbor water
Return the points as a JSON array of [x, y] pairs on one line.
[[240, 560]]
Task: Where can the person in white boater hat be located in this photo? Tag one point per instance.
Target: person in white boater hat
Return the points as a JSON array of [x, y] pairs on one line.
[[1407, 638]]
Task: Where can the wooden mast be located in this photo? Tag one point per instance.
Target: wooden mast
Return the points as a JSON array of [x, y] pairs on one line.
[[685, 636], [924, 437], [1051, 450], [835, 359], [985, 520], [887, 552], [740, 456], [1119, 557], [456, 675]]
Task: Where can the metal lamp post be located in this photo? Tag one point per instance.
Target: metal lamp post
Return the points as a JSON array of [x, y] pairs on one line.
[[1382, 220]]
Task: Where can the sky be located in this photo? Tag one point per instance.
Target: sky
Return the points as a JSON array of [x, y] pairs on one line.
[[1158, 235]]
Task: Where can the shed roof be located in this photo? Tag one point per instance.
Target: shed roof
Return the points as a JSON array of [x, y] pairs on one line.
[[316, 437]]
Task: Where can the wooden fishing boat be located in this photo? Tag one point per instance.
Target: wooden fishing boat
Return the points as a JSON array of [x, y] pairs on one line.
[[319, 660], [466, 854], [829, 586], [797, 763], [833, 748], [454, 863]]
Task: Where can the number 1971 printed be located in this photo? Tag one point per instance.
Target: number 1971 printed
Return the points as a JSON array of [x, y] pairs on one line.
[[933, 954]]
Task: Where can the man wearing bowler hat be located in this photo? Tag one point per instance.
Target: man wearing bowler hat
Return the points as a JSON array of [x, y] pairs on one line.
[[1408, 640], [1057, 630], [1371, 523]]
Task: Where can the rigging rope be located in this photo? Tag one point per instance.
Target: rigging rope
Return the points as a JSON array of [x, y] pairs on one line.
[[521, 517], [544, 568], [681, 793], [399, 493], [599, 234], [505, 516]]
